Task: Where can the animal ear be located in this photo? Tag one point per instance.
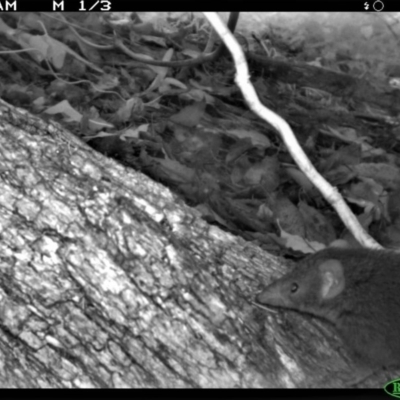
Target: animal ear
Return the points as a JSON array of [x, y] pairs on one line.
[[332, 278]]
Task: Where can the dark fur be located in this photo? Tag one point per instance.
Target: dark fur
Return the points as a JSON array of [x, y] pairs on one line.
[[366, 313]]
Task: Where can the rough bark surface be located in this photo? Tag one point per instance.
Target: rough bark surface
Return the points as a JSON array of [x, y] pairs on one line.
[[109, 280]]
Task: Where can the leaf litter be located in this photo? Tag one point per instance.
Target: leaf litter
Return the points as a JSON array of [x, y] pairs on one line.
[[334, 78]]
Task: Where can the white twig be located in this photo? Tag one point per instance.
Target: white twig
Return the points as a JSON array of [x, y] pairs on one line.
[[329, 192]]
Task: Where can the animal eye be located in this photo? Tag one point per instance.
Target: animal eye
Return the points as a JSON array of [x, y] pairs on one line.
[[294, 287]]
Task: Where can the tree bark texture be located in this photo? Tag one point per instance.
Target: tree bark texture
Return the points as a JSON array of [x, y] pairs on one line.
[[109, 280]]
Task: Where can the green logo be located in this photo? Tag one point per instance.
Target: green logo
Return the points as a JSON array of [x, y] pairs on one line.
[[392, 388]]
